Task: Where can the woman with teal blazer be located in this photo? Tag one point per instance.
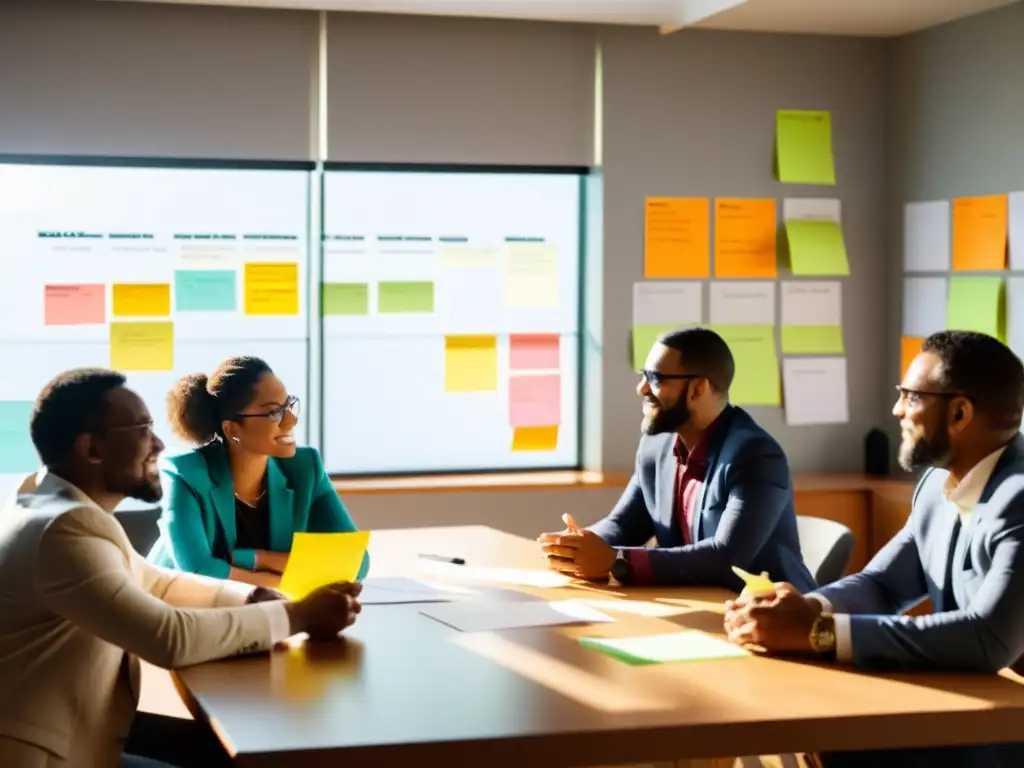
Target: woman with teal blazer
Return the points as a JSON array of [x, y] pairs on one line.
[[233, 503]]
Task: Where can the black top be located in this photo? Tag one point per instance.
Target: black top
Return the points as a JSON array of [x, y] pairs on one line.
[[252, 524]]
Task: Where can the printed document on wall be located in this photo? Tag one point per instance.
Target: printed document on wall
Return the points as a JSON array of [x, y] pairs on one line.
[[815, 390], [926, 237], [924, 305]]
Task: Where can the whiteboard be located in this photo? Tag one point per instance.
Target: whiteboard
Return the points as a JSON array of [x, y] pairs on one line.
[[450, 306], [219, 258]]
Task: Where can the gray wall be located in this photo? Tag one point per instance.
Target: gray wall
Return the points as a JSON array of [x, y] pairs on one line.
[[956, 128]]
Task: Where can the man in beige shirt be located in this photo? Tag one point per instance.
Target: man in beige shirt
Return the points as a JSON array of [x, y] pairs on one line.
[[79, 607]]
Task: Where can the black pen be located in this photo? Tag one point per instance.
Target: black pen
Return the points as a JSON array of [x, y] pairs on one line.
[[442, 559]]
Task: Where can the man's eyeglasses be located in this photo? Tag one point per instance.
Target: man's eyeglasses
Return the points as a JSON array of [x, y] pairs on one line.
[[275, 415], [916, 396], [654, 378]]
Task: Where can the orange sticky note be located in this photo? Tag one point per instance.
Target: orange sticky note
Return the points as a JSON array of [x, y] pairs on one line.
[[910, 347], [535, 438], [75, 304], [980, 233], [745, 238], [677, 237]]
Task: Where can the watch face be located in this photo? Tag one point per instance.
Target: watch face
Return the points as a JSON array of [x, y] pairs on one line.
[[621, 569]]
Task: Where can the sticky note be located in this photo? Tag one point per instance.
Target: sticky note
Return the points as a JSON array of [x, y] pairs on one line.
[[812, 340], [1016, 231], [745, 238], [471, 363], [17, 454], [75, 304], [535, 438], [271, 288], [535, 401], [142, 346], [644, 337], [757, 380], [205, 290], [976, 304], [405, 297], [688, 645], [142, 299], [980, 233], [319, 559], [677, 237], [803, 146], [534, 351], [815, 390], [338, 299], [531, 275], [465, 256], [816, 248], [757, 584], [811, 317], [926, 233], [668, 302], [910, 347], [924, 305], [735, 302]]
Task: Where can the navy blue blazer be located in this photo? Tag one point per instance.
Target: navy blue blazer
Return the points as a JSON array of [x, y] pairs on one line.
[[745, 515]]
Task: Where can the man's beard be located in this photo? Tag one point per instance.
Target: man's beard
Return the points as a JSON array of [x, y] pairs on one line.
[[667, 420], [925, 452], [147, 491]]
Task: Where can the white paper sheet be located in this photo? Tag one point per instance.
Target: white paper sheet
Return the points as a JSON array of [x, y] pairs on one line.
[[924, 305], [392, 590], [815, 390], [1015, 314], [667, 302], [743, 302], [1016, 223], [926, 233], [812, 209], [812, 302], [491, 616]]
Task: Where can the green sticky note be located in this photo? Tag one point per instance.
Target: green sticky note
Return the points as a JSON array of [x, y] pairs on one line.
[[758, 380], [816, 248], [205, 290], [803, 144], [344, 299], [644, 337], [17, 454], [689, 645], [976, 304], [405, 297], [812, 340]]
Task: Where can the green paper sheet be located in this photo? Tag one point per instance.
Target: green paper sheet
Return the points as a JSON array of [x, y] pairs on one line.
[[689, 645], [405, 297], [976, 304], [758, 379], [17, 455], [205, 290], [345, 299], [816, 248], [803, 145], [644, 337], [812, 340]]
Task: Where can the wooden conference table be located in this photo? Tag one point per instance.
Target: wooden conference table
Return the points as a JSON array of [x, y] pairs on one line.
[[405, 689]]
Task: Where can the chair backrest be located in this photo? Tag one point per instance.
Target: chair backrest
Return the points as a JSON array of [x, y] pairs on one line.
[[826, 546], [141, 527]]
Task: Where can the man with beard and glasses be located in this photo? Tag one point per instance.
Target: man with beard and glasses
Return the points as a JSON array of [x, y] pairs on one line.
[[79, 607], [710, 485], [959, 407]]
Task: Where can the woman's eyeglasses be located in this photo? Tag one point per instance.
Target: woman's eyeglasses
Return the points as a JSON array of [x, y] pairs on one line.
[[275, 415]]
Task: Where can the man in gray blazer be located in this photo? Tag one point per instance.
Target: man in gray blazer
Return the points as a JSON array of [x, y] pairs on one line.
[[959, 407], [710, 485]]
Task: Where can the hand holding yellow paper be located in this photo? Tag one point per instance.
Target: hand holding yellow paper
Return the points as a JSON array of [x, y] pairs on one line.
[[319, 559], [756, 585]]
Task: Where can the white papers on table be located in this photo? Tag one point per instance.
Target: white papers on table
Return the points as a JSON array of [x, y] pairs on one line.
[[814, 389], [812, 302], [490, 616], [1016, 230], [924, 305], [743, 302], [392, 590], [811, 209], [664, 302], [926, 233]]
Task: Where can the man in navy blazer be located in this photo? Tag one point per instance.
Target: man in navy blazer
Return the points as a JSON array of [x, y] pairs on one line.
[[710, 485], [959, 407]]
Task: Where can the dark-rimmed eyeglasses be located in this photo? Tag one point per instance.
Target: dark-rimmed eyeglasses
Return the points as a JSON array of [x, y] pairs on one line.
[[275, 415], [654, 378], [916, 396]]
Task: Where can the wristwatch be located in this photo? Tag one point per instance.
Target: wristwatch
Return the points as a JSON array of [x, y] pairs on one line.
[[621, 569], [823, 635]]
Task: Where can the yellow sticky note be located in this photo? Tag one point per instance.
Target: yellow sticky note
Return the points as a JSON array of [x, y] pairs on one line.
[[803, 147], [755, 584], [758, 378], [142, 346], [142, 299], [531, 275], [319, 559], [470, 363], [535, 438], [271, 288]]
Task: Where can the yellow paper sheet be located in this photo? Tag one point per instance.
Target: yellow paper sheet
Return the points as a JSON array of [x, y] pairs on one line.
[[758, 380], [271, 288], [535, 438], [142, 299], [677, 237], [470, 363], [319, 559], [757, 584], [531, 275], [804, 147], [142, 346]]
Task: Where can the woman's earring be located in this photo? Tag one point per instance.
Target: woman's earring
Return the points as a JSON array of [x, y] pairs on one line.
[[235, 439]]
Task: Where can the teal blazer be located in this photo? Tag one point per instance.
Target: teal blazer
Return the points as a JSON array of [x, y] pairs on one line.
[[199, 509]]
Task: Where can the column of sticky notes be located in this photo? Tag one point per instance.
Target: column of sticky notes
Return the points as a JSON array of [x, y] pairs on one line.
[[534, 391]]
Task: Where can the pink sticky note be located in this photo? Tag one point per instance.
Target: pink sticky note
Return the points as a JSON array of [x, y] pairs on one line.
[[75, 304], [535, 401], [534, 352]]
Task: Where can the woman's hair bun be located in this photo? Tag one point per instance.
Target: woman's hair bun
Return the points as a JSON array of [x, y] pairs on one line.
[[192, 410]]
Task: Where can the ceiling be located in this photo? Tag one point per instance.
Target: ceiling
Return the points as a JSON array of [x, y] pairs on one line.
[[880, 18]]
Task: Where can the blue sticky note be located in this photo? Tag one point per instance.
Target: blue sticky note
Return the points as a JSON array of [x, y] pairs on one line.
[[205, 290], [17, 454]]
